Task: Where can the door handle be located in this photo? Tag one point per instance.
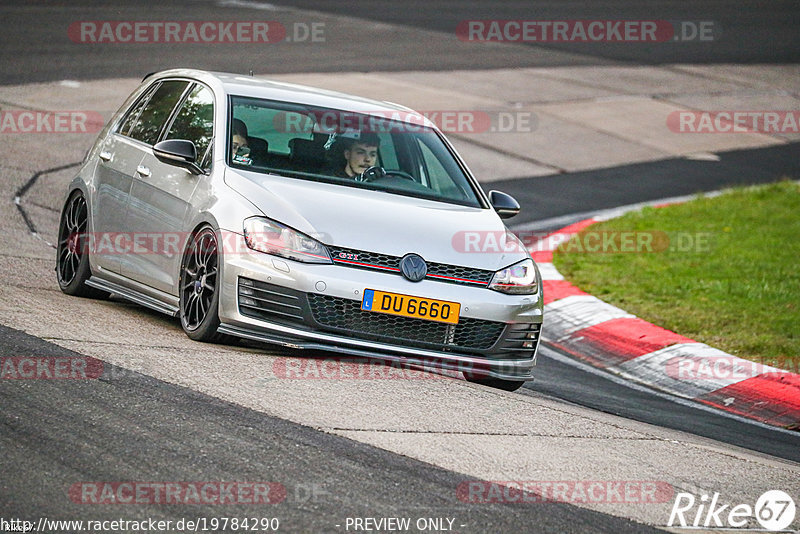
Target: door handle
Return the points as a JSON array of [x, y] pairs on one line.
[[143, 171], [105, 155]]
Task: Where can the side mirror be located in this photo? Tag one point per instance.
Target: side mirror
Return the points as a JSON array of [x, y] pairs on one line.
[[505, 205], [178, 152]]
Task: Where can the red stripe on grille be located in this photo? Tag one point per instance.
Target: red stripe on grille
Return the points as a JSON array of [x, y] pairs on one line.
[[458, 279], [367, 265], [396, 270]]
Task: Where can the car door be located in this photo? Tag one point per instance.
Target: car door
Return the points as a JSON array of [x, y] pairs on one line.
[[161, 193], [118, 159]]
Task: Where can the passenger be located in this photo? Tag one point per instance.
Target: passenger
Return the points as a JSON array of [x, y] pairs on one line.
[[239, 128], [240, 150]]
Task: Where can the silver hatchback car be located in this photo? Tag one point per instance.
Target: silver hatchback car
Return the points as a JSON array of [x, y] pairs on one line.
[[305, 218]]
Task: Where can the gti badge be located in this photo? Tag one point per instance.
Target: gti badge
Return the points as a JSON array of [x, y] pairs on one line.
[[348, 256], [414, 267]]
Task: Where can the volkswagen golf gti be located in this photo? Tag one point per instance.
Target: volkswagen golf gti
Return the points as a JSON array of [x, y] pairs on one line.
[[302, 217]]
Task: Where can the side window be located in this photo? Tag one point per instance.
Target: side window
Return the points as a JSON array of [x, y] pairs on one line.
[[133, 113], [439, 178], [387, 151], [195, 120], [157, 111], [276, 126], [205, 163]]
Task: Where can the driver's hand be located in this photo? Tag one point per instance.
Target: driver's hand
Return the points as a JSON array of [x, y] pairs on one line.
[[371, 174]]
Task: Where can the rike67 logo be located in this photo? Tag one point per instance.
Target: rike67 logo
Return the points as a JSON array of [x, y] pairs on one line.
[[774, 511]]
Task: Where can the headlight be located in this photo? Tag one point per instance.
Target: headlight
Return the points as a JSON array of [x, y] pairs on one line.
[[274, 238], [519, 279]]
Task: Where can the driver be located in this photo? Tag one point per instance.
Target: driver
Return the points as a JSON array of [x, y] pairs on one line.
[[359, 152]]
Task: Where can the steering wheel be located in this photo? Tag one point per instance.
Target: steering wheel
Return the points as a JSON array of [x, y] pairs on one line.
[[371, 174], [375, 173]]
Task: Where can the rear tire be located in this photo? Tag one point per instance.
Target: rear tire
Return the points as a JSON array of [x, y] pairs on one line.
[[72, 252]]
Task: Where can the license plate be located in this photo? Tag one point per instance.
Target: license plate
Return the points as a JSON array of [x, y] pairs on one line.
[[409, 306]]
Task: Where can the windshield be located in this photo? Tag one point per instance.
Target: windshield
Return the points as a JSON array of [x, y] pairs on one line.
[[351, 149]]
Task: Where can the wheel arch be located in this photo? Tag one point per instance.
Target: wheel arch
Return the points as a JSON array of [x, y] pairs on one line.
[[202, 220]]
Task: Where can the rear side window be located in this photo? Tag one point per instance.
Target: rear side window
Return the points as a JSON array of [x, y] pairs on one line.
[[133, 113], [195, 120], [156, 112]]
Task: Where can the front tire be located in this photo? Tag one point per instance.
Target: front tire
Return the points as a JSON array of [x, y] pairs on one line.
[[200, 287], [72, 252]]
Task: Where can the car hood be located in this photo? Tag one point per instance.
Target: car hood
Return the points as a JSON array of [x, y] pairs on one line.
[[381, 222]]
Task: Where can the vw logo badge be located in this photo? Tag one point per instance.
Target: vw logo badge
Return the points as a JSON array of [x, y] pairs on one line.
[[414, 267]]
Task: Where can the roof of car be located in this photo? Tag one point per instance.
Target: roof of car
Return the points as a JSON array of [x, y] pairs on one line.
[[252, 86]]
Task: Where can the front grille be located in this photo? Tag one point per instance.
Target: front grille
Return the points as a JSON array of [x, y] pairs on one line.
[[454, 274], [324, 313], [458, 274], [346, 315], [364, 260]]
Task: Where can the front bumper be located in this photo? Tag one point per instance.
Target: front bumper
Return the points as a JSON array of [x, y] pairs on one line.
[[316, 306]]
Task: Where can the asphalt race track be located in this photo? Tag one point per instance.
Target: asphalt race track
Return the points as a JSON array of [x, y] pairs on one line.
[[168, 409], [35, 45], [332, 477], [751, 34]]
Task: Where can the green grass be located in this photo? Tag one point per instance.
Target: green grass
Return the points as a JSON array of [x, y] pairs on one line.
[[736, 289]]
